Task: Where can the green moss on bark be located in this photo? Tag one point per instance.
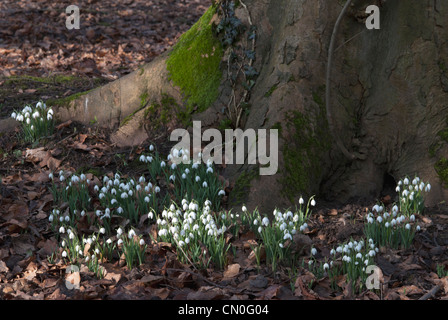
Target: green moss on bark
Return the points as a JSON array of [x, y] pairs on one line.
[[441, 168], [303, 152], [194, 64]]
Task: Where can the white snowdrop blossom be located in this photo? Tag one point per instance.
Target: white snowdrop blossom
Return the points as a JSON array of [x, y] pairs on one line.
[[265, 221]]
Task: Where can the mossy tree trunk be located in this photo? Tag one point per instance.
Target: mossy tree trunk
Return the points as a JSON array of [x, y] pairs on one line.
[[389, 94]]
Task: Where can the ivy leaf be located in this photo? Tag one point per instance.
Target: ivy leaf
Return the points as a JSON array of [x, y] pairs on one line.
[[250, 71], [250, 54]]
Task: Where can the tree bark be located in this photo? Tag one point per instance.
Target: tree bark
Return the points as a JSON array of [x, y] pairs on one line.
[[389, 99]]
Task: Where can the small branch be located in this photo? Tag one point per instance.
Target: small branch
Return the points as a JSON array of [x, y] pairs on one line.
[[431, 293]]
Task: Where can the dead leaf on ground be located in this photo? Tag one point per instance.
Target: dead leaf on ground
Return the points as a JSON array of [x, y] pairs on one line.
[[232, 271]]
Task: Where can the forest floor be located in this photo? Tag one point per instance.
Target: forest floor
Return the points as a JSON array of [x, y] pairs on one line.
[[116, 38]]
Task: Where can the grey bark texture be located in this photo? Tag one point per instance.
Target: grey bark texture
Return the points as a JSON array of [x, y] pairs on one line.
[[389, 97]]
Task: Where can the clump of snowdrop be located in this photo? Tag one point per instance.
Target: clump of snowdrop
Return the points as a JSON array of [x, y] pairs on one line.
[[277, 233], [189, 179], [393, 229], [132, 246], [350, 258], [195, 232], [36, 122], [411, 195]]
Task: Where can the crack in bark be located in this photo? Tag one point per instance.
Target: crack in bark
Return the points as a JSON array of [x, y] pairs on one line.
[[331, 126]]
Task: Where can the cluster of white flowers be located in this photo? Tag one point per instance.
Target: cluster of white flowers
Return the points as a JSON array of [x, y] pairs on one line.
[[356, 252], [33, 116], [287, 223], [411, 195], [195, 177], [187, 223], [389, 220]]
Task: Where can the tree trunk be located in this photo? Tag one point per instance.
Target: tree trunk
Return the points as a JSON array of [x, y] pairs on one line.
[[388, 102]]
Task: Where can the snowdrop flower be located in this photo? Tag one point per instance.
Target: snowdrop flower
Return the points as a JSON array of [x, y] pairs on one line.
[[332, 252], [408, 226], [303, 227], [326, 266], [244, 209], [184, 176], [163, 232], [417, 228], [313, 202], [102, 231], [313, 251], [119, 232], [406, 181], [379, 219], [260, 229], [301, 201], [14, 115], [120, 242], [405, 193], [64, 254], [63, 243], [162, 164], [156, 189], [397, 189], [151, 148], [197, 179], [386, 224], [370, 220], [372, 253], [204, 184], [265, 221], [71, 236], [287, 236], [142, 158], [428, 188], [221, 193], [131, 233], [412, 218], [142, 242], [62, 230]]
